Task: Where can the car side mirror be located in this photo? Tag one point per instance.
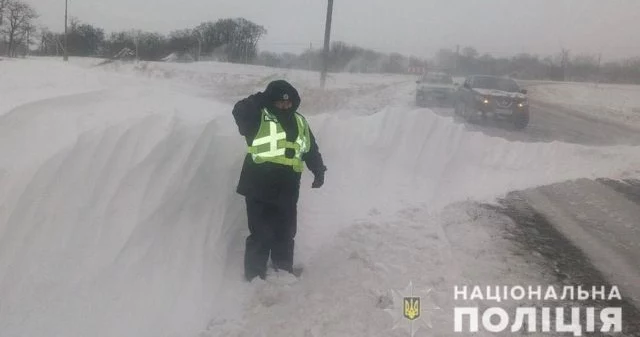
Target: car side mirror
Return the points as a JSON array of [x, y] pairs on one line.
[[466, 85], [524, 91]]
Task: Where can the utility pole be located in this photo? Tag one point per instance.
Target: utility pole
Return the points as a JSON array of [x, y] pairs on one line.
[[327, 39], [309, 61], [28, 41], [198, 35], [199, 50], [599, 75], [66, 40], [564, 63], [457, 58]]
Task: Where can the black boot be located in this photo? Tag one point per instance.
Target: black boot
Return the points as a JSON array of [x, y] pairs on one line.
[[282, 255], [256, 255]]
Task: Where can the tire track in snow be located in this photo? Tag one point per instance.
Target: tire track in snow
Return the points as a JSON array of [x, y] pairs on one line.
[[630, 188]]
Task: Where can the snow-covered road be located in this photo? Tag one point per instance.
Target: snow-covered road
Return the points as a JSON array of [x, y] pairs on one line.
[[118, 215], [552, 122], [612, 103]]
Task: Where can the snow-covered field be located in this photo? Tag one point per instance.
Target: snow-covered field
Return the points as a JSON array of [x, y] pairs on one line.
[[607, 102], [118, 215]]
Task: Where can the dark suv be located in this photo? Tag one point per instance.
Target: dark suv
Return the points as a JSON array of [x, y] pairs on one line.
[[483, 97]]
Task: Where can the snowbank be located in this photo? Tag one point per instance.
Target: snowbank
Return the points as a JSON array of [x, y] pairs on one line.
[[228, 83], [608, 102], [119, 216], [21, 81]]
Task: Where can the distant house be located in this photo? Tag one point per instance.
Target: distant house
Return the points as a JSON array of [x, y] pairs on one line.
[[125, 54]]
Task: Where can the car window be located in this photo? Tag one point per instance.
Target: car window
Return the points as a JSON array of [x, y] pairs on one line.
[[495, 83], [438, 78]]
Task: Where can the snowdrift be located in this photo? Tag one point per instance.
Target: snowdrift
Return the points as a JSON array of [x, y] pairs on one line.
[[119, 216]]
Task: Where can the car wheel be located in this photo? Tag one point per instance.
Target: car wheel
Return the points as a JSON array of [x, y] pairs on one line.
[[520, 120], [466, 113], [419, 101]]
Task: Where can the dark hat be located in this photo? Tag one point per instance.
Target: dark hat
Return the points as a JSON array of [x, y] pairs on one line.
[[281, 90]]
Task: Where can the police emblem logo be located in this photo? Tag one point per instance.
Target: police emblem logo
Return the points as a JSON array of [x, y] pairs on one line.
[[285, 97], [411, 308], [406, 309]]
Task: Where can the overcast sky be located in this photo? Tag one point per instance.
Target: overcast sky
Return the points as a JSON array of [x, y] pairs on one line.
[[416, 27]]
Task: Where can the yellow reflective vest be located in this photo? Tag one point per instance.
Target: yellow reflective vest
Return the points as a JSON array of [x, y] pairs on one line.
[[270, 143]]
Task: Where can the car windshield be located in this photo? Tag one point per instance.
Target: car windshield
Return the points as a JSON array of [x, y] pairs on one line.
[[438, 79], [496, 83]]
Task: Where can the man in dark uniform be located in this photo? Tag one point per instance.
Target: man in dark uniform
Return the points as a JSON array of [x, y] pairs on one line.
[[279, 141]]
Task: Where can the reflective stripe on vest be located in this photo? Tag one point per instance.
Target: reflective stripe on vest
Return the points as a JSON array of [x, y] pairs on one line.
[[271, 142]]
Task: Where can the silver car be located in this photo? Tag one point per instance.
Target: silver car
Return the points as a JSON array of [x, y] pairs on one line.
[[435, 89]]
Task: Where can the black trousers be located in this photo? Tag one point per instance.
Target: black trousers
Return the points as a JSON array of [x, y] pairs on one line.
[[273, 228]]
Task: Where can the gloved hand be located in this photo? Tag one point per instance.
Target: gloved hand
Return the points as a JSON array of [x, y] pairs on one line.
[[318, 180]]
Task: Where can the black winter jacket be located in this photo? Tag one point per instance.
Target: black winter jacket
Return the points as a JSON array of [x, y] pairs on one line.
[[267, 181]]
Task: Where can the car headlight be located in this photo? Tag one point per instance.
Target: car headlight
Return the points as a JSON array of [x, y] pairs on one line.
[[524, 103], [482, 99]]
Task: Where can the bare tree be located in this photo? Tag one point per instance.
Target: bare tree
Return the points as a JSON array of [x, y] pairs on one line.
[[27, 33], [50, 43], [236, 38], [3, 5], [19, 22], [470, 53]]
